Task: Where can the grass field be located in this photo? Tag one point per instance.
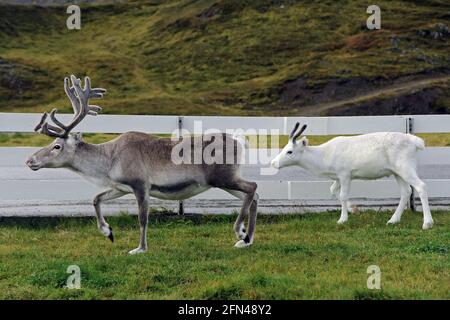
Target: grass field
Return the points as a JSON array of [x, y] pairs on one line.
[[228, 57], [293, 257], [39, 140]]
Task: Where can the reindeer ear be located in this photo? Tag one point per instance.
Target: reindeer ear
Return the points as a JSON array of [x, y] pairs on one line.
[[304, 141], [78, 136]]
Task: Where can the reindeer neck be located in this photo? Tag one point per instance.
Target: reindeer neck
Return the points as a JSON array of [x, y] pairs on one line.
[[90, 159], [312, 159]]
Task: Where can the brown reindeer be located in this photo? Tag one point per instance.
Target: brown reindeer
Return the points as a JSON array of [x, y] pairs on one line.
[[142, 164]]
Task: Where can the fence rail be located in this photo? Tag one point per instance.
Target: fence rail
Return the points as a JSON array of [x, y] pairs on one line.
[[18, 184], [25, 122]]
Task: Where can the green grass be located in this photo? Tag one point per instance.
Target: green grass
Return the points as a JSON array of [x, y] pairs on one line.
[[169, 57], [39, 140], [293, 257]]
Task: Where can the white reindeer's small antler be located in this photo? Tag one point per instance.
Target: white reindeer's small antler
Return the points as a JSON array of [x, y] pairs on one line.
[[293, 136]]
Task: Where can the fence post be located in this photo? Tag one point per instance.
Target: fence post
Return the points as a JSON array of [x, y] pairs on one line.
[[410, 129], [180, 128]]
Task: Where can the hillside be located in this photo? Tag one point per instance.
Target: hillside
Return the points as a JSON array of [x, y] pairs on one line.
[[231, 57]]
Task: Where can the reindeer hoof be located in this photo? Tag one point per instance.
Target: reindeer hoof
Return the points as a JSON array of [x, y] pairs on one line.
[[105, 230], [111, 236], [137, 250], [427, 225], [341, 221], [392, 221], [242, 244]]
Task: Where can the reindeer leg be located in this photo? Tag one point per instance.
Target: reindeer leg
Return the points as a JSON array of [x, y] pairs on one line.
[[141, 194], [405, 193], [252, 218], [239, 226], [104, 228], [244, 190], [343, 197]]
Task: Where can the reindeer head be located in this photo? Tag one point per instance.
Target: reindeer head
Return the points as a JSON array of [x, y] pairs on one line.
[[292, 152], [60, 152]]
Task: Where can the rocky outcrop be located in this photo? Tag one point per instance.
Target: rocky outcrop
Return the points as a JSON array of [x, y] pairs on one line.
[[10, 78], [438, 31], [379, 95], [426, 101]]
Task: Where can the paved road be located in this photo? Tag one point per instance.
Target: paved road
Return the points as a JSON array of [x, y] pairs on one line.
[[84, 208]]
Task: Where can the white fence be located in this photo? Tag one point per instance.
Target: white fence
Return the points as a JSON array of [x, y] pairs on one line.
[[20, 187]]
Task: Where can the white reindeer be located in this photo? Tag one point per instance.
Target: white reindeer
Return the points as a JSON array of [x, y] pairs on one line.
[[365, 157]]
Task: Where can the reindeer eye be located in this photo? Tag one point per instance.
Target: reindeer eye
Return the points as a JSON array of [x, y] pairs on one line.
[[57, 147], [289, 152]]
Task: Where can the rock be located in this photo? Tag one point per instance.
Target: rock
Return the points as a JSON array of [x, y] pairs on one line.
[[395, 43], [5, 66], [10, 79], [344, 71], [443, 29], [438, 31], [210, 12]]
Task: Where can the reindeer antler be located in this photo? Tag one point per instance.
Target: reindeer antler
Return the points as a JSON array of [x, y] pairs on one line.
[[79, 98], [293, 136]]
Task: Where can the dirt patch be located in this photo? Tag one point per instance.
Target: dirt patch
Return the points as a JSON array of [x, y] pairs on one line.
[[364, 41], [326, 97], [299, 93], [427, 101]]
